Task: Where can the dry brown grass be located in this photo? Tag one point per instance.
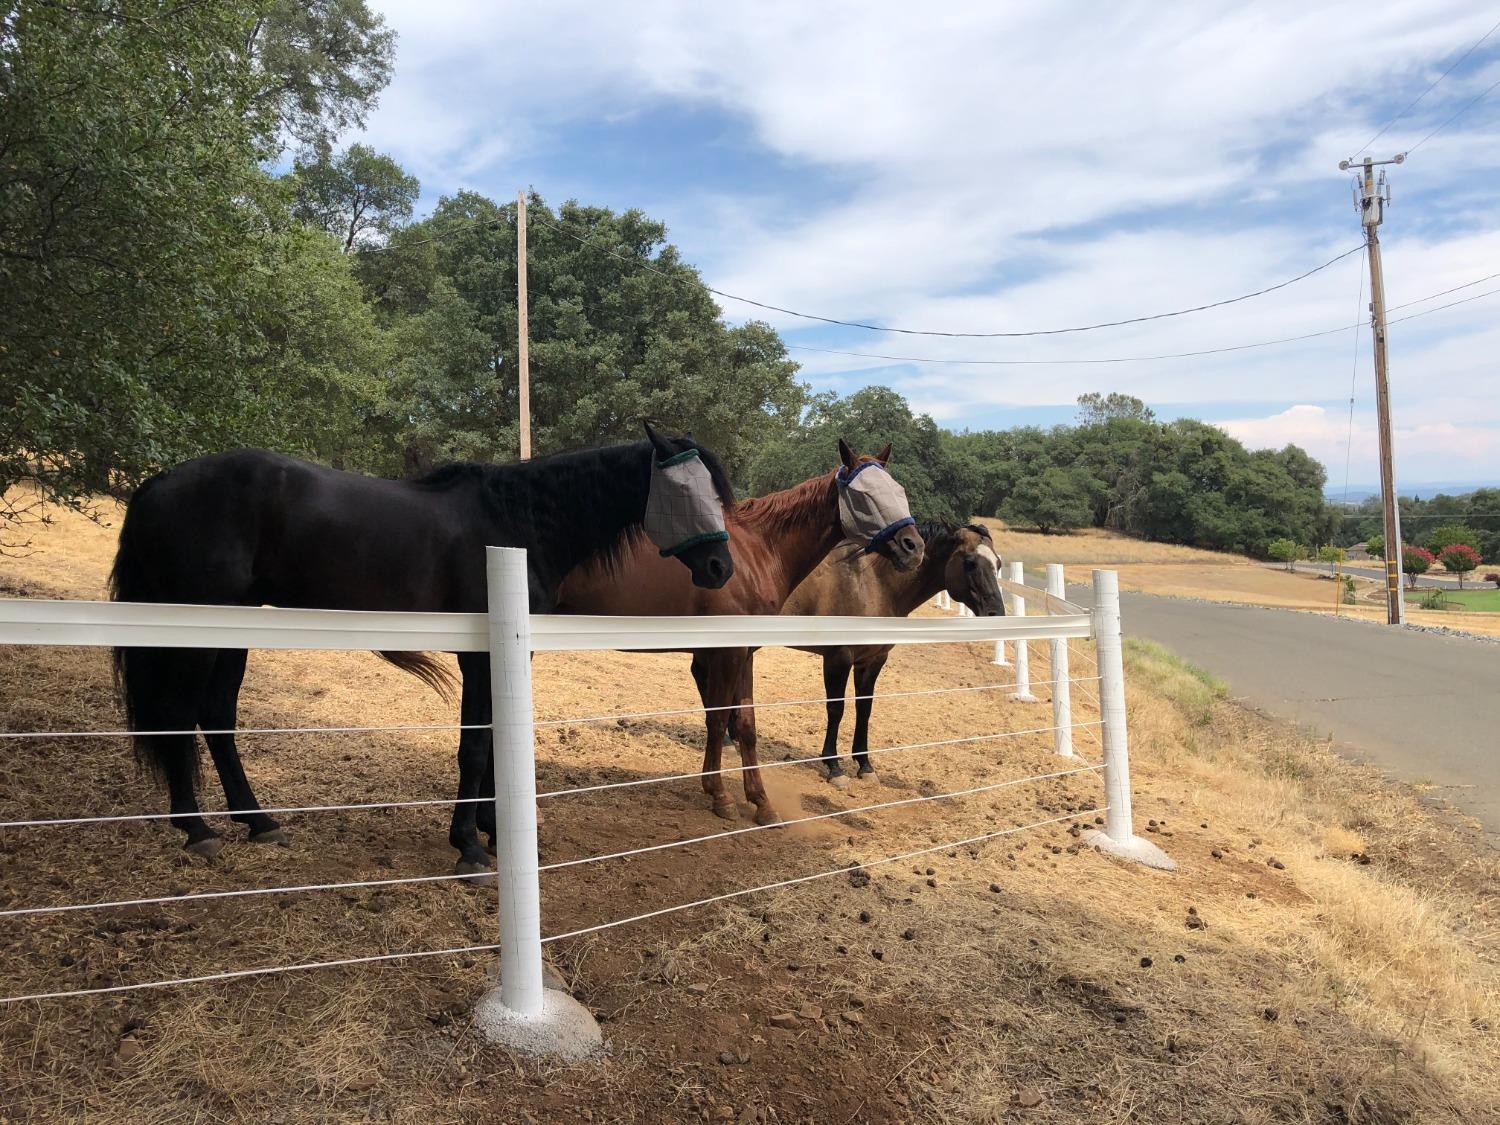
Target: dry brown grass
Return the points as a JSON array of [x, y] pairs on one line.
[[1328, 989]]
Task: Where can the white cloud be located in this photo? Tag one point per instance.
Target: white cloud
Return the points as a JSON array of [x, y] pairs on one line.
[[1029, 164]]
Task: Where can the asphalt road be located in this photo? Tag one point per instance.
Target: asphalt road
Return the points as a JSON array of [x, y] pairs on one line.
[[1423, 706], [1378, 574]]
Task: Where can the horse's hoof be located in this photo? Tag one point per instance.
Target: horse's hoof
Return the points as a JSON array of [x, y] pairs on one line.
[[271, 836], [208, 847], [766, 817], [727, 810], [475, 874], [839, 781], [870, 776]]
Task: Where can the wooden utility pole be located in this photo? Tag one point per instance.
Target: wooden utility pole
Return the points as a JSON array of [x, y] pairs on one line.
[[1372, 197], [523, 341]]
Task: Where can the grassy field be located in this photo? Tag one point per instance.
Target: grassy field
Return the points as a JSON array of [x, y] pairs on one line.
[[1325, 952], [1474, 601]]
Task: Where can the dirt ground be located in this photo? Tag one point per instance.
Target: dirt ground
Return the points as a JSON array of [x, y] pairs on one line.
[[1326, 951]]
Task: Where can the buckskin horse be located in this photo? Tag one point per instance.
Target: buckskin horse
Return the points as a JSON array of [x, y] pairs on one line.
[[252, 527], [778, 540], [961, 560]]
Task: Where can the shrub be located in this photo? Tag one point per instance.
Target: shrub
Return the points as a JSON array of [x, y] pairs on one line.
[[1449, 534], [1375, 545], [1434, 599], [1459, 559], [1493, 577], [1415, 561], [1284, 551], [1349, 598]]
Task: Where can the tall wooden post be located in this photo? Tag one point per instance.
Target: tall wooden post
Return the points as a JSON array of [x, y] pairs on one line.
[[523, 335]]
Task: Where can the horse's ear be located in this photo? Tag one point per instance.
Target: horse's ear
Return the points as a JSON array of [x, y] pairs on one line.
[[885, 454], [659, 443], [846, 455]]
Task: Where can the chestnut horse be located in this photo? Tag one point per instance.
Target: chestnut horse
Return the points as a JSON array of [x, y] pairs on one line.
[[778, 540], [961, 560]]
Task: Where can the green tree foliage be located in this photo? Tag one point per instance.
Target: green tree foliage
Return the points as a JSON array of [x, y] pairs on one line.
[[1057, 500], [925, 464], [318, 65], [620, 329], [1284, 551], [360, 195], [1449, 534], [1096, 407], [158, 302], [1375, 545]]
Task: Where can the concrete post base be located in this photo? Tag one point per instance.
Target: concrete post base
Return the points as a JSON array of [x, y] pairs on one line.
[[1022, 697], [1136, 849], [564, 1028]]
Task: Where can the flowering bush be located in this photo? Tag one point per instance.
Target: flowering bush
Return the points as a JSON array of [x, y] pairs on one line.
[[1459, 559], [1493, 577], [1415, 561]]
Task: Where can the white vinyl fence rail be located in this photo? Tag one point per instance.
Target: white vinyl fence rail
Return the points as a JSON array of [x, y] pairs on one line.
[[510, 635]]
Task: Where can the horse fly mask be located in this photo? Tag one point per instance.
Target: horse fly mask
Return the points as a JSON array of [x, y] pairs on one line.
[[872, 506], [683, 509]]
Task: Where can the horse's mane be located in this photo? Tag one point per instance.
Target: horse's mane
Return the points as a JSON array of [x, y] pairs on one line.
[[938, 531], [785, 511], [584, 483]]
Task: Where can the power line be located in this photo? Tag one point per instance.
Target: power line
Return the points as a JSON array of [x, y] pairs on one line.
[[1136, 358], [584, 239], [1413, 103], [1489, 90]]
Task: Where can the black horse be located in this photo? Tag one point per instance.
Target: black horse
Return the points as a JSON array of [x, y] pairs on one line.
[[253, 527]]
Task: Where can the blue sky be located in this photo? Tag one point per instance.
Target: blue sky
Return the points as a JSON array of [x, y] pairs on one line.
[[979, 167]]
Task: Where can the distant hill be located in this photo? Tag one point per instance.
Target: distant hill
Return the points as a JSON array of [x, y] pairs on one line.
[[1426, 490]]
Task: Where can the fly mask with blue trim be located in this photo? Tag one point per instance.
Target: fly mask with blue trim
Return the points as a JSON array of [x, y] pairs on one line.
[[683, 508], [872, 505]]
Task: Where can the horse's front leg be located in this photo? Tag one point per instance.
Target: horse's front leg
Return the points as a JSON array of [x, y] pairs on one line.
[[865, 676], [708, 674], [744, 698], [473, 762], [835, 683]]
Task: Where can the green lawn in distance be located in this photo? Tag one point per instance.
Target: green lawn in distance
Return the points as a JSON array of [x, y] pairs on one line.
[[1475, 601]]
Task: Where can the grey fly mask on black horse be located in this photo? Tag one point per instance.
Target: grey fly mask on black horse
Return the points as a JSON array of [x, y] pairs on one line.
[[683, 509]]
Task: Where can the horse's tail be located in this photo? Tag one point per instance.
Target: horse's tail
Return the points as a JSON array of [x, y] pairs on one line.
[[426, 668], [130, 581]]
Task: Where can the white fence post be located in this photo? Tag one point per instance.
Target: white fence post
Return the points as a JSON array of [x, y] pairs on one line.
[[1000, 657], [1118, 837], [522, 1012], [1016, 572], [1062, 690]]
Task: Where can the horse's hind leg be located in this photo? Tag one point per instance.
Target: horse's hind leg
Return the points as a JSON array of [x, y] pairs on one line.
[[474, 747], [163, 687], [219, 711], [865, 676]]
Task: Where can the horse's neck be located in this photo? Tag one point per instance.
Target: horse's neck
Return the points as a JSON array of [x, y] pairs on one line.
[[908, 590], [799, 526], [576, 511]]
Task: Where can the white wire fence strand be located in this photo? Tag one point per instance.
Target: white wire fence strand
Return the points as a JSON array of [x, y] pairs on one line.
[[236, 974], [796, 761], [461, 950], [823, 874], [200, 896], [444, 727], [820, 816], [50, 822]]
